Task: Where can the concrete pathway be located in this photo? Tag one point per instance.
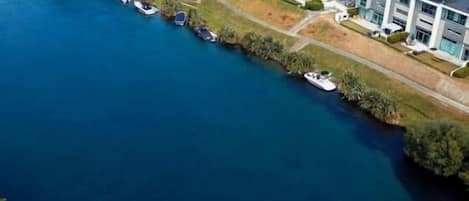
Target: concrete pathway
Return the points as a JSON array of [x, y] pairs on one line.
[[303, 23], [299, 45], [443, 99]]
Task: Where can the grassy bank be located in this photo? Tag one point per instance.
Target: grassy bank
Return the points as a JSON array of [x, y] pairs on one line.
[[414, 106]]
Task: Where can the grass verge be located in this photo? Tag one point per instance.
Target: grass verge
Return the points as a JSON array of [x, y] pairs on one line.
[[413, 106]]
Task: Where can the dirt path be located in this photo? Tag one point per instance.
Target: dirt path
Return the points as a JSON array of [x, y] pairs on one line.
[[454, 94]]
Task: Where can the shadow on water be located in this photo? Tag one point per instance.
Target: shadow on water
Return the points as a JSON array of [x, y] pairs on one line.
[[421, 184]]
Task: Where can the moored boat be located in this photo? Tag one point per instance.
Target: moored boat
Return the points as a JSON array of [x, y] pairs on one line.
[[145, 8], [125, 1], [180, 18], [320, 81], [204, 33]]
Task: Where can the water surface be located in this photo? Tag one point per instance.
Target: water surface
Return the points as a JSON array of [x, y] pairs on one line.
[[102, 104]]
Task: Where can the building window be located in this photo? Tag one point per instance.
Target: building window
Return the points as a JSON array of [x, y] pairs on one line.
[[363, 3], [422, 35], [377, 18], [428, 9], [399, 22], [455, 17], [451, 47], [405, 2], [465, 56], [400, 11]]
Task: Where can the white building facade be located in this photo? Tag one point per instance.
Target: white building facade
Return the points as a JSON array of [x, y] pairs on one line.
[[438, 24]]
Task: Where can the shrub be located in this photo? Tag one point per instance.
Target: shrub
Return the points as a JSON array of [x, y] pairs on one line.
[[352, 11], [193, 19], [314, 5], [351, 87], [379, 105], [298, 63], [398, 37], [170, 7], [228, 36], [438, 146], [462, 73], [263, 46]]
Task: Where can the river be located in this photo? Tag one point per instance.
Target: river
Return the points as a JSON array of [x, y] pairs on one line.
[[100, 103]]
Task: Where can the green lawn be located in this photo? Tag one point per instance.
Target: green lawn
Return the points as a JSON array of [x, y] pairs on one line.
[[218, 16], [414, 106], [437, 64], [355, 27]]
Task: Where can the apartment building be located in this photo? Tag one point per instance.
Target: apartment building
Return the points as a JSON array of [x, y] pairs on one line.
[[438, 24]]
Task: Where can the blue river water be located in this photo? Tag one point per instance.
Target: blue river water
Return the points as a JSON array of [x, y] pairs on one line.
[[99, 103]]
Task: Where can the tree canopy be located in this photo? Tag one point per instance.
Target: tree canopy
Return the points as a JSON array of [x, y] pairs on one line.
[[438, 146], [169, 8]]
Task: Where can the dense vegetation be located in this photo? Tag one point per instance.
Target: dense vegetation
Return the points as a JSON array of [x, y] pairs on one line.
[[397, 37], [314, 5], [194, 19], [371, 100], [462, 73], [441, 147], [227, 35], [352, 11], [169, 8], [298, 63], [263, 46]]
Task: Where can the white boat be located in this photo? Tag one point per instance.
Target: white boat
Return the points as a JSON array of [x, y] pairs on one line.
[[319, 81], [214, 37], [125, 1], [145, 8]]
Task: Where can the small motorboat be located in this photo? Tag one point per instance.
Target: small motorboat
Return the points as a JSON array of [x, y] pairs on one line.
[[320, 81], [125, 1], [204, 33], [214, 37], [180, 18], [145, 8]]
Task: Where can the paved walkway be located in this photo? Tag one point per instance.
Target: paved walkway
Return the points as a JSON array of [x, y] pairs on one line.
[[303, 23], [443, 99]]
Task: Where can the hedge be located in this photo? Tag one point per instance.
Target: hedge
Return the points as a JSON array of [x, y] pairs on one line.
[[352, 11], [462, 73], [314, 5], [398, 37]]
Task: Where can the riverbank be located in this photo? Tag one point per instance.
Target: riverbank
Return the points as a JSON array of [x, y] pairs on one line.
[[413, 106]]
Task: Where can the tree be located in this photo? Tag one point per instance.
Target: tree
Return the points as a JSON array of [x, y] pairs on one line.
[[193, 19], [438, 146], [379, 105], [351, 87], [464, 174], [169, 8], [228, 36], [298, 63], [262, 46]]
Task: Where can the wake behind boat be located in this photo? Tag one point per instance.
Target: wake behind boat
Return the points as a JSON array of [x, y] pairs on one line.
[[320, 81], [145, 8]]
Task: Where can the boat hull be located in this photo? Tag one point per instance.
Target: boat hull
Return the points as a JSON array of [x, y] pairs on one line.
[[321, 83]]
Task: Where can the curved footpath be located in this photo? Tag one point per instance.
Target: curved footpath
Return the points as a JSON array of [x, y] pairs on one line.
[[443, 99]]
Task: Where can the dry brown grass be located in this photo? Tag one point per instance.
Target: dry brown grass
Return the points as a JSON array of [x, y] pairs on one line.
[[279, 14], [326, 30]]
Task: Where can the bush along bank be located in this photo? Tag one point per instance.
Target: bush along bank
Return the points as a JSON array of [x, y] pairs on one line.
[[371, 100], [441, 147]]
